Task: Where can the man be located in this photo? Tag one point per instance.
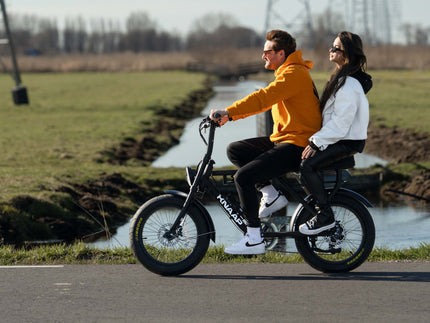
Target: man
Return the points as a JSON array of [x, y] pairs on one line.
[[296, 116]]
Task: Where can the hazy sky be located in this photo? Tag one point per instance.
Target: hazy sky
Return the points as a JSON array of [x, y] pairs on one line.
[[179, 15]]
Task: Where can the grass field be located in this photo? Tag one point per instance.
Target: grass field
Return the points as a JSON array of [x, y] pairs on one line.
[[72, 118]]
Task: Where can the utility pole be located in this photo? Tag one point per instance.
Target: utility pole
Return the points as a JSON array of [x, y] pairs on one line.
[[19, 93]]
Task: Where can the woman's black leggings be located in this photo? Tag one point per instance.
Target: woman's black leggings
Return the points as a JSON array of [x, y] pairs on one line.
[[259, 160], [310, 176]]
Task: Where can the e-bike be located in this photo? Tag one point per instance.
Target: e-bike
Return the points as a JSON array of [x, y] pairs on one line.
[[170, 234]]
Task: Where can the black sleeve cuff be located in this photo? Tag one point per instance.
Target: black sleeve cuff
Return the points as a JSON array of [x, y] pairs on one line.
[[313, 146]]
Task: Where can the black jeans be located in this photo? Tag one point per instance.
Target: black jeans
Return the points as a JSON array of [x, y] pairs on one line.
[[310, 176], [259, 160]]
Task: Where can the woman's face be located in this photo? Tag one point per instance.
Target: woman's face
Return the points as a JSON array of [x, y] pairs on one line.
[[336, 52]]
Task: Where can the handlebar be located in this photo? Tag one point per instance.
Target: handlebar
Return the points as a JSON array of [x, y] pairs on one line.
[[208, 123]]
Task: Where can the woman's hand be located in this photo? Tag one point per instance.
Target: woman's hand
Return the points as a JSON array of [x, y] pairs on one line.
[[220, 116], [308, 152]]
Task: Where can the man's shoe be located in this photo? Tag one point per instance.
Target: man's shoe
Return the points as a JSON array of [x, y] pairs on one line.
[[245, 247], [269, 205], [317, 224]]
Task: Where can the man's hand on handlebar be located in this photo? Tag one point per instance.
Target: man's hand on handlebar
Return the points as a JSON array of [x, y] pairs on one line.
[[219, 116]]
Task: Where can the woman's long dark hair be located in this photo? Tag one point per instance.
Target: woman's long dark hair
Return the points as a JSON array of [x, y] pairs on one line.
[[355, 60]]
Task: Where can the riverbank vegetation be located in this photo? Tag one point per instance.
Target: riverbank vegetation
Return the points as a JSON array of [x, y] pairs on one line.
[[388, 57], [79, 253]]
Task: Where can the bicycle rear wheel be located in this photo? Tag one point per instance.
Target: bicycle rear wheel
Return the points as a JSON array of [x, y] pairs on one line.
[[347, 245], [164, 252]]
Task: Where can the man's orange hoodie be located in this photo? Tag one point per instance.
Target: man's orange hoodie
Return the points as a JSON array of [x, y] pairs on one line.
[[295, 108]]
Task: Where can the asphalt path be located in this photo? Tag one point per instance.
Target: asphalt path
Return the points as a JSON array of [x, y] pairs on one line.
[[375, 292]]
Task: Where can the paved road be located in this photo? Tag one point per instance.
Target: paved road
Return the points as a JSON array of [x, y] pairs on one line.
[[375, 292]]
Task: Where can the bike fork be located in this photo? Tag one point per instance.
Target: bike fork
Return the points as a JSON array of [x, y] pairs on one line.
[[181, 216]]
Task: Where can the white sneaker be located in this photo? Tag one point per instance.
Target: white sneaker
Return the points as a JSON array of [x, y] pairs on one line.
[[269, 205], [245, 247]]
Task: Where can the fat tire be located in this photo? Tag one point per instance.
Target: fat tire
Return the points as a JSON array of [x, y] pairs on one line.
[[144, 217], [364, 222]]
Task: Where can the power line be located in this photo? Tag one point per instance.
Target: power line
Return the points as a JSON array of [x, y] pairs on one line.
[[374, 20], [301, 26]]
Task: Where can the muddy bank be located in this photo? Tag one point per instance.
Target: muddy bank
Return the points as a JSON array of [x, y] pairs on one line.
[[72, 211], [157, 138], [402, 146], [398, 145]]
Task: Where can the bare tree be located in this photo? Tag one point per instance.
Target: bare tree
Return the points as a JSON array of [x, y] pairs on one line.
[[75, 35], [139, 21], [46, 40], [140, 33], [212, 21], [408, 31], [416, 34], [111, 37], [421, 36], [221, 31]]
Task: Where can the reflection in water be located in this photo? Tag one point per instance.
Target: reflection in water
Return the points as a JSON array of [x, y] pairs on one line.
[[396, 226]]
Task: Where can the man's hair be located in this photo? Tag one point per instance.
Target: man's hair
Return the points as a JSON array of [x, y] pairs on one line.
[[282, 40]]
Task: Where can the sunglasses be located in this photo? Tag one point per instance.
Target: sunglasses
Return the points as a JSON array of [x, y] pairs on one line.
[[335, 49], [267, 52]]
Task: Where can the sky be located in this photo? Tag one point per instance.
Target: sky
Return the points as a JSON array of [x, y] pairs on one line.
[[180, 15]]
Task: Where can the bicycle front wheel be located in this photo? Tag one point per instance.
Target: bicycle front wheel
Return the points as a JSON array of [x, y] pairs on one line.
[[347, 245], [158, 248]]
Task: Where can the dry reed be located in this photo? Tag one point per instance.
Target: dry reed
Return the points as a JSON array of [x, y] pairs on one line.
[[381, 57]]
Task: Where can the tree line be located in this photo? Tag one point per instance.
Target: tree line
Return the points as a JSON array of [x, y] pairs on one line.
[[34, 35]]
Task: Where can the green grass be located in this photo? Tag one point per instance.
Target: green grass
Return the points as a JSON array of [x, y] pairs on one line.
[[72, 118], [79, 253]]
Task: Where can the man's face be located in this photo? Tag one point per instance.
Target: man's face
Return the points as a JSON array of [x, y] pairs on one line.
[[273, 59]]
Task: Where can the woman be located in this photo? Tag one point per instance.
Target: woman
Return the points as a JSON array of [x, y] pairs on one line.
[[345, 111]]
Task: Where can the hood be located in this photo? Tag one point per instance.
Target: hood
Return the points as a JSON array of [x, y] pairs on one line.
[[364, 79], [294, 58]]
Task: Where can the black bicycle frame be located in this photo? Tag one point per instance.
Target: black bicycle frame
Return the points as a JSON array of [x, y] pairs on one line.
[[201, 184]]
